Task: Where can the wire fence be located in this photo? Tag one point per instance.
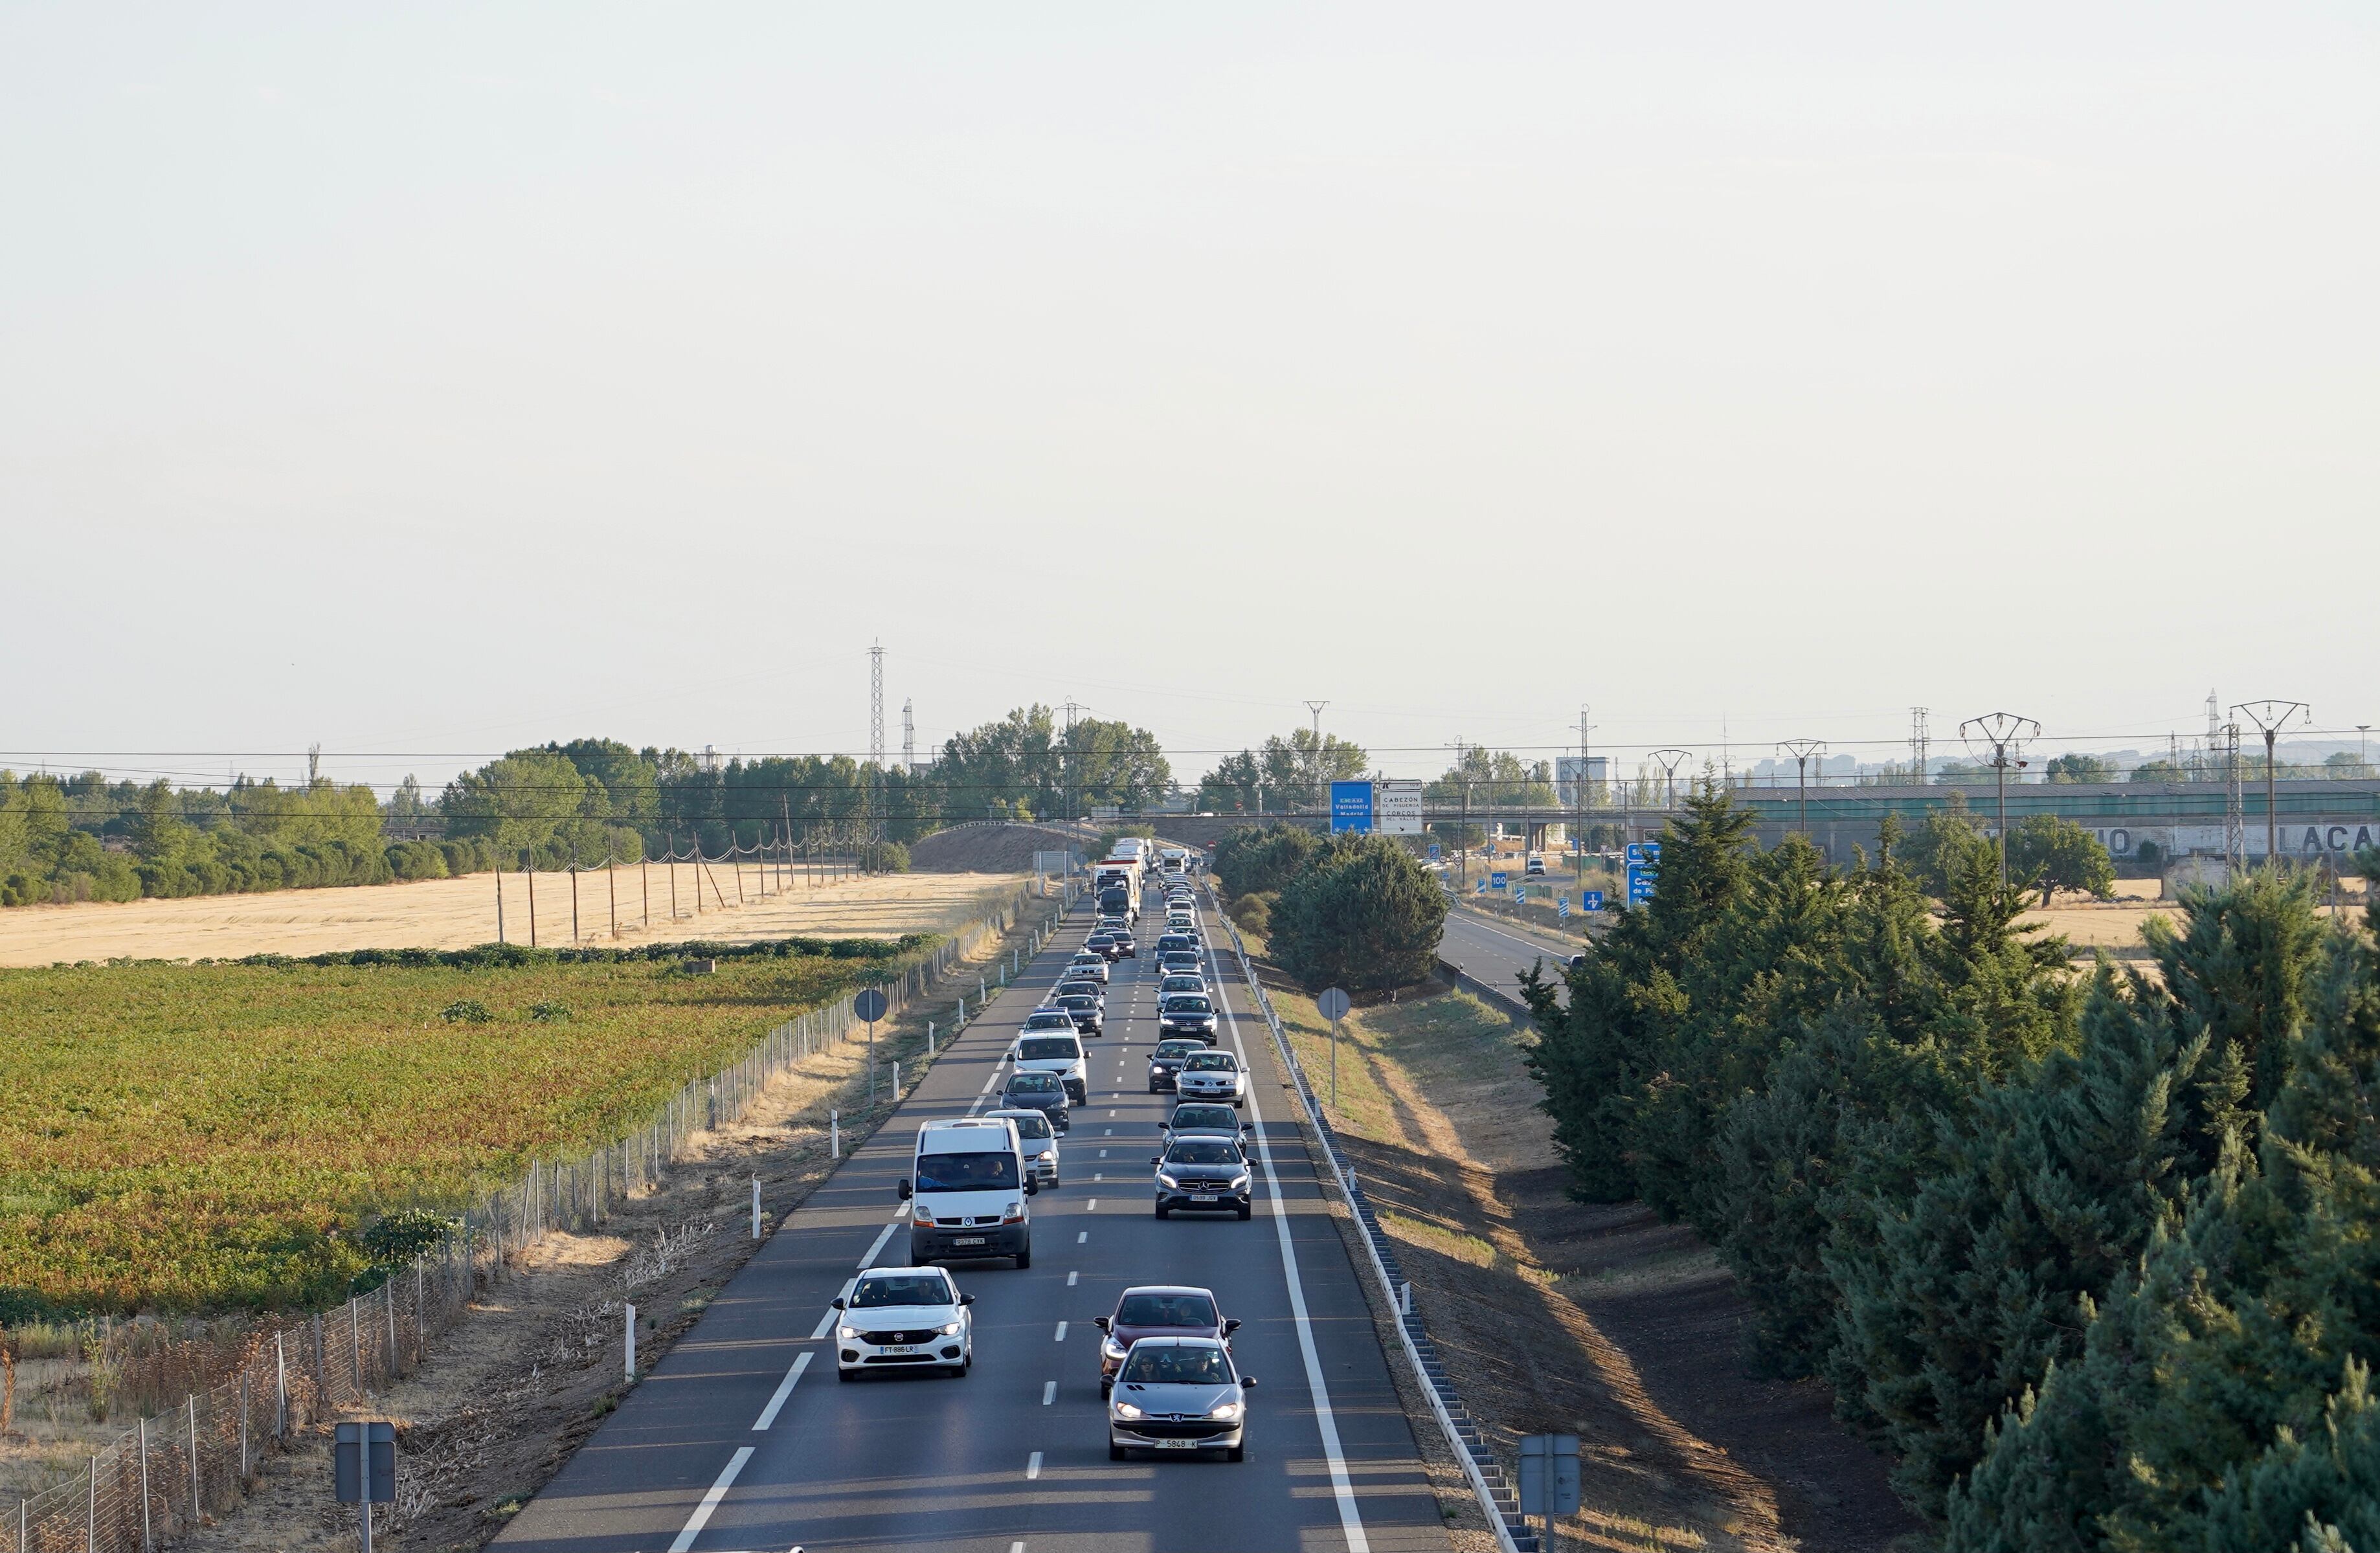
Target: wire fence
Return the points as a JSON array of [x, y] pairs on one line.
[[197, 1459]]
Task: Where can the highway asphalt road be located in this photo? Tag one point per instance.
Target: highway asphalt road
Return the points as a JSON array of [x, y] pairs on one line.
[[741, 1438], [1498, 954]]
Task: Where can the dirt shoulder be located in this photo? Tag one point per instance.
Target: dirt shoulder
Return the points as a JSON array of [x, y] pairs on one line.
[[1636, 1327], [458, 912], [509, 1394]]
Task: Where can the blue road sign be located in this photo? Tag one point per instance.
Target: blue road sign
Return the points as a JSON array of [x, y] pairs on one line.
[[1647, 852], [1499, 880], [1590, 900], [1483, 888], [1350, 807], [1640, 884], [1520, 896], [1561, 908], [1433, 851]]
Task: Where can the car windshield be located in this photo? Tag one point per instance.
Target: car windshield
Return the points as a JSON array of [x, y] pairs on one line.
[[1097, 938], [1165, 1310], [1188, 1002], [1031, 1123], [901, 1289], [1176, 1049], [1165, 1364], [1032, 1083], [1173, 944], [1203, 1151], [966, 1173], [1181, 962], [1205, 1116], [1078, 1000], [1042, 1049], [1212, 1062]]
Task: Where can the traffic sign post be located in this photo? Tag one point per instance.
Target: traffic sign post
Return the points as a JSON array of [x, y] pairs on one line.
[[1333, 1005], [1590, 900], [1500, 880], [1520, 895], [870, 1005], [363, 1468], [1561, 908], [1549, 1485]]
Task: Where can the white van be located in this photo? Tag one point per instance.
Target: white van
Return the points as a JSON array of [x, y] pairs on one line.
[[967, 1191], [1049, 1044]]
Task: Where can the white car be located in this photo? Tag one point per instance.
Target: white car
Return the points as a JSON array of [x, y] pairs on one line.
[[1089, 963], [1211, 1075], [1179, 1394], [1038, 1139], [1184, 981], [1049, 1044], [904, 1318]]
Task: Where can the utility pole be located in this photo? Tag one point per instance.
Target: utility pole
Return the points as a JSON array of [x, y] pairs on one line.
[[1800, 750], [875, 773], [1920, 735], [1065, 758], [2270, 717], [2003, 734], [2234, 817], [1669, 760], [1578, 796], [908, 737], [1315, 708]]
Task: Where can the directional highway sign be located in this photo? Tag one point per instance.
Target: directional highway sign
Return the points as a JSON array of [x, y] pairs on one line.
[[1350, 807], [1645, 852], [1590, 900]]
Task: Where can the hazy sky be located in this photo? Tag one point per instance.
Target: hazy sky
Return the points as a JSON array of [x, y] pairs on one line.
[[424, 380]]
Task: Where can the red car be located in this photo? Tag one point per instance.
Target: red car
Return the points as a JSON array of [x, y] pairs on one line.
[[1156, 1310]]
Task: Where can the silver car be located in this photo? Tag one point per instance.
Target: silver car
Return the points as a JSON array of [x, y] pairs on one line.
[[1038, 1139], [1179, 1394], [1212, 1074]]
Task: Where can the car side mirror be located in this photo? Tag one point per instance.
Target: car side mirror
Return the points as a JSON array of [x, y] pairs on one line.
[[1157, 1158], [904, 1188], [1032, 1187], [837, 1302], [966, 1299], [1248, 1383], [1100, 1322], [1230, 1327]]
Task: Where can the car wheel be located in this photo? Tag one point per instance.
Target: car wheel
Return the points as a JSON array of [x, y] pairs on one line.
[[1115, 1451], [1025, 1259], [1236, 1453], [1162, 1210], [844, 1375], [1107, 1388], [1246, 1211]]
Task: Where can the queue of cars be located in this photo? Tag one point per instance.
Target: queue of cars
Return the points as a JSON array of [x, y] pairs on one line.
[[1166, 1368]]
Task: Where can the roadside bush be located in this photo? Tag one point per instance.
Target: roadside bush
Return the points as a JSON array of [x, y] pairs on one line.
[[885, 857], [1254, 913], [465, 1010], [1262, 859], [415, 860], [549, 1013], [1365, 915]]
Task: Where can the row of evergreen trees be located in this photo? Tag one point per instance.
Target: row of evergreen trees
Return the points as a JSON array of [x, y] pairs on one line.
[[2093, 1257], [1352, 911]]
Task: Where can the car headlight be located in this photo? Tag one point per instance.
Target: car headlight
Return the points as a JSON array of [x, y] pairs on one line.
[[847, 1333], [1125, 1410], [1239, 1180], [1110, 1348], [951, 1329], [1166, 1181], [1047, 1154], [1227, 1410]]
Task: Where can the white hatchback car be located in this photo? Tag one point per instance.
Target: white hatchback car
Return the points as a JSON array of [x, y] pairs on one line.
[[903, 1318], [1179, 1394], [1213, 1074]]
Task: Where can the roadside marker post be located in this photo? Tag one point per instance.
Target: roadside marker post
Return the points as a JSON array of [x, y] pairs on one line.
[[756, 1210], [834, 1135], [629, 1372]]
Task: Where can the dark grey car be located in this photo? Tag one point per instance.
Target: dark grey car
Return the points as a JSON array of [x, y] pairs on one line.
[[1041, 1092]]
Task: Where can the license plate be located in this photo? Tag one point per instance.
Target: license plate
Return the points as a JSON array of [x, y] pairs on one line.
[[901, 1348], [1204, 1197], [967, 1239], [1177, 1445]]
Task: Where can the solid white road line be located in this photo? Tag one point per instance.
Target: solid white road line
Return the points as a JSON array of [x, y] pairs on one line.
[[784, 1390], [701, 1516], [886, 1234], [1342, 1488], [1032, 1466]]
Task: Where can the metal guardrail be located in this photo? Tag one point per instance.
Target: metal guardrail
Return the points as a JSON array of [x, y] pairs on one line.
[[1499, 1498]]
